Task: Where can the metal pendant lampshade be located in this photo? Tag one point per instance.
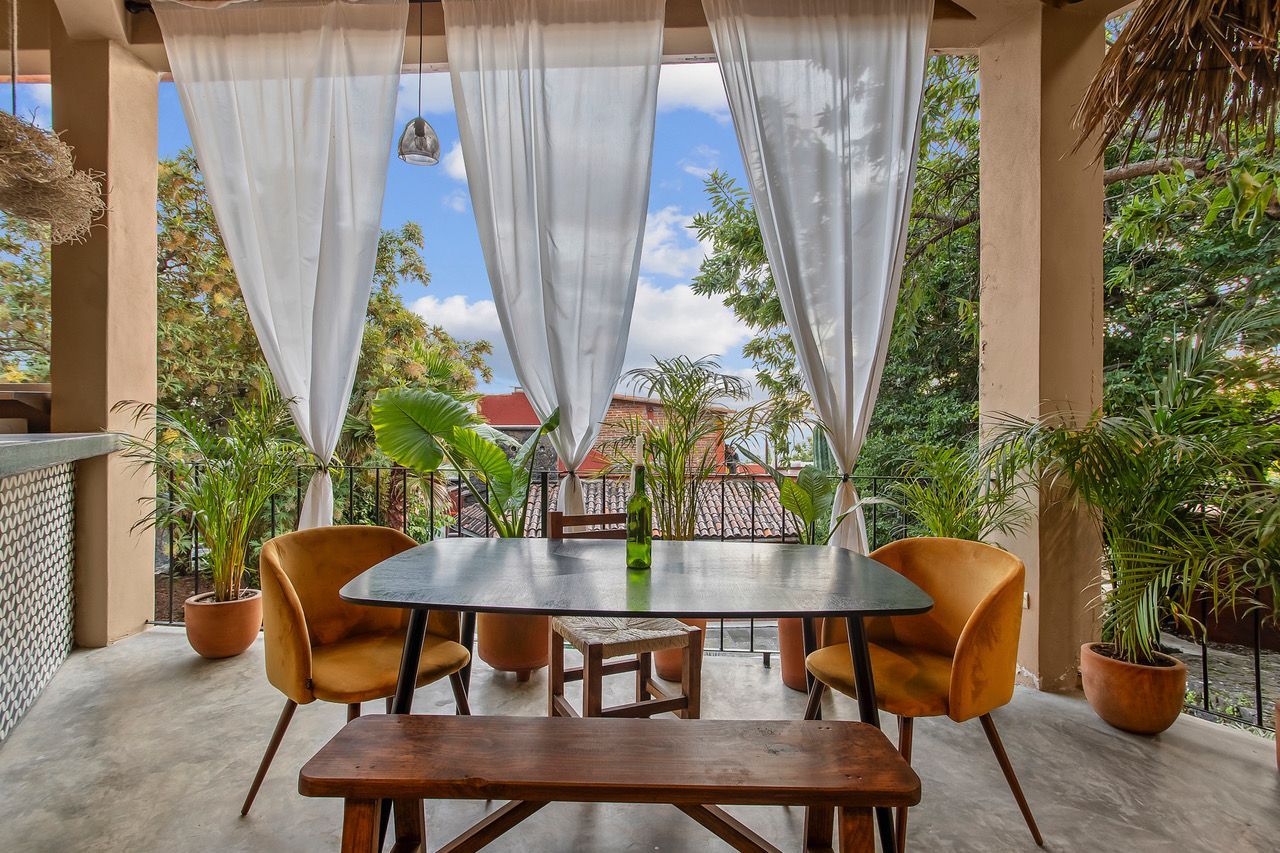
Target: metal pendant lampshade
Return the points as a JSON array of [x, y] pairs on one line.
[[419, 144]]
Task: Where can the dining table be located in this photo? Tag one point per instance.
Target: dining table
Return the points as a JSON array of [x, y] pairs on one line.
[[702, 579]]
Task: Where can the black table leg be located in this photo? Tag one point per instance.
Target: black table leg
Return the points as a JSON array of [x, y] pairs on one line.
[[869, 712], [406, 682], [468, 642]]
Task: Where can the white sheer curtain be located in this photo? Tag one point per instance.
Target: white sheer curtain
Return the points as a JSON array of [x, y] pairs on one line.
[[290, 104], [556, 102], [825, 97]]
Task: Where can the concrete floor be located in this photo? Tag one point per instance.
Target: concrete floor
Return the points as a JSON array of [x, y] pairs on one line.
[[146, 747]]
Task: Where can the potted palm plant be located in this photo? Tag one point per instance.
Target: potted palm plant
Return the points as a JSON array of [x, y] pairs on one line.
[[680, 448], [1169, 486], [218, 483], [427, 430]]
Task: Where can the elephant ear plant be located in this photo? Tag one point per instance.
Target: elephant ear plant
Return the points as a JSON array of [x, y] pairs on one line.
[[217, 479], [808, 496], [428, 430]]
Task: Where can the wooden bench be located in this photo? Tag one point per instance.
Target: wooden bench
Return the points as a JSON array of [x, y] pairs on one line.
[[694, 765]]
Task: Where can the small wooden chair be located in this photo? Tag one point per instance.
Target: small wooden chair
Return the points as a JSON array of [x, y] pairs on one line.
[[600, 638]]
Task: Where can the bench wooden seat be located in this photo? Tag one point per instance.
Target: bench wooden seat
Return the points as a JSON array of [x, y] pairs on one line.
[[691, 764]]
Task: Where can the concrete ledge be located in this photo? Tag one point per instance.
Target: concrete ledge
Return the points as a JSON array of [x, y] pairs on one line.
[[29, 452]]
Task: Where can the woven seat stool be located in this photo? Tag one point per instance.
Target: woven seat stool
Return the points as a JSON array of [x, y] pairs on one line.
[[600, 638]]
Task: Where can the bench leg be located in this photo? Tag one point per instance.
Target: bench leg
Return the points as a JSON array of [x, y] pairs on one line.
[[360, 826], [730, 830], [818, 825], [857, 833], [491, 826], [411, 827]]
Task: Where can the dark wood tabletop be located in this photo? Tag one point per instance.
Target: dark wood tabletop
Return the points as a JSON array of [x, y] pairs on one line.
[[587, 577]]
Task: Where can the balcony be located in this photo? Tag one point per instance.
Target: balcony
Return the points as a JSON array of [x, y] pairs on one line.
[[142, 746]]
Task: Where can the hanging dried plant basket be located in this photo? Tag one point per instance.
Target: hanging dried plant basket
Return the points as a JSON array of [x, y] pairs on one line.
[[1183, 72], [39, 181]]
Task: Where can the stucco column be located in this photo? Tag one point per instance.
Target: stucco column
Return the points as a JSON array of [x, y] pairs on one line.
[[104, 323], [1041, 297]]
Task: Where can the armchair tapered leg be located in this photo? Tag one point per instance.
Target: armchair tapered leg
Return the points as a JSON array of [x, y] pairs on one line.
[[813, 710], [460, 700], [993, 737], [353, 711], [276, 736], [905, 726]]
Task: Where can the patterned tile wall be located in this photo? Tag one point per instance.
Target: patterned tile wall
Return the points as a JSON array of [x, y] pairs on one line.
[[37, 604]]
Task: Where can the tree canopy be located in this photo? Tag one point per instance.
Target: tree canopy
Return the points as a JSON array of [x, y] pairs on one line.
[[1185, 236], [207, 350]]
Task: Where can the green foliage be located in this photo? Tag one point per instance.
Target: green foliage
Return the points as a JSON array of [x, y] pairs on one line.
[[1182, 485], [960, 493], [24, 302], [929, 388], [423, 430], [808, 496], [219, 477], [680, 445]]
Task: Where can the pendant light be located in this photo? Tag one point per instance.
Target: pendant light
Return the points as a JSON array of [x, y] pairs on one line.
[[419, 144]]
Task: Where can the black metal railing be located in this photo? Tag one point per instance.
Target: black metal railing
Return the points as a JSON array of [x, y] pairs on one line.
[[1229, 682], [733, 506]]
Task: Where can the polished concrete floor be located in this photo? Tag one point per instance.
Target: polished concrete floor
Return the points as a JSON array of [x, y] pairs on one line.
[[146, 747]]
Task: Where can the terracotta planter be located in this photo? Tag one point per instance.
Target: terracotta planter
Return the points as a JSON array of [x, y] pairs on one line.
[[669, 663], [518, 644], [1134, 697], [791, 651], [222, 629]]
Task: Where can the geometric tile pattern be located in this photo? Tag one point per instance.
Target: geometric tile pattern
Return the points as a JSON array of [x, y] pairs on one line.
[[37, 603]]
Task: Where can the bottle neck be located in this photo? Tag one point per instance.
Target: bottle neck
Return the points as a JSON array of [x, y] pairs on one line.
[[639, 479]]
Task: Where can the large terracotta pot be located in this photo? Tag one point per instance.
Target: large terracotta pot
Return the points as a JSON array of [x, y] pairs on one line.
[[791, 651], [1134, 697], [222, 629], [518, 644], [669, 663]]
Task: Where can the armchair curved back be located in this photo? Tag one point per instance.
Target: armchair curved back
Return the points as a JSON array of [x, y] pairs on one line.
[[975, 619], [302, 573]]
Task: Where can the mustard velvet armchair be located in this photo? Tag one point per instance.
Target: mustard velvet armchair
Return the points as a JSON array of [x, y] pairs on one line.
[[958, 660], [319, 647]]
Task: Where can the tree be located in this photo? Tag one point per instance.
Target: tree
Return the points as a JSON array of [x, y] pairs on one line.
[[1186, 235], [207, 350], [929, 387], [24, 302]]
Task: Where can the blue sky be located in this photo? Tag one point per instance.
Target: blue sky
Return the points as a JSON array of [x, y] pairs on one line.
[[693, 136]]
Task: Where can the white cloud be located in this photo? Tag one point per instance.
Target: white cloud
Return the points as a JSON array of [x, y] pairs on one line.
[[666, 322], [456, 201], [437, 95], [670, 248], [702, 161], [693, 86], [453, 163], [676, 321]]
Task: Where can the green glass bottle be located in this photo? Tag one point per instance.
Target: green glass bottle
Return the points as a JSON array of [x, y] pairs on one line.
[[639, 525]]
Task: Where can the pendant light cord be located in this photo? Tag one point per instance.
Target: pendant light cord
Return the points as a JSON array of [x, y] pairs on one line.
[[420, 5], [13, 57]]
